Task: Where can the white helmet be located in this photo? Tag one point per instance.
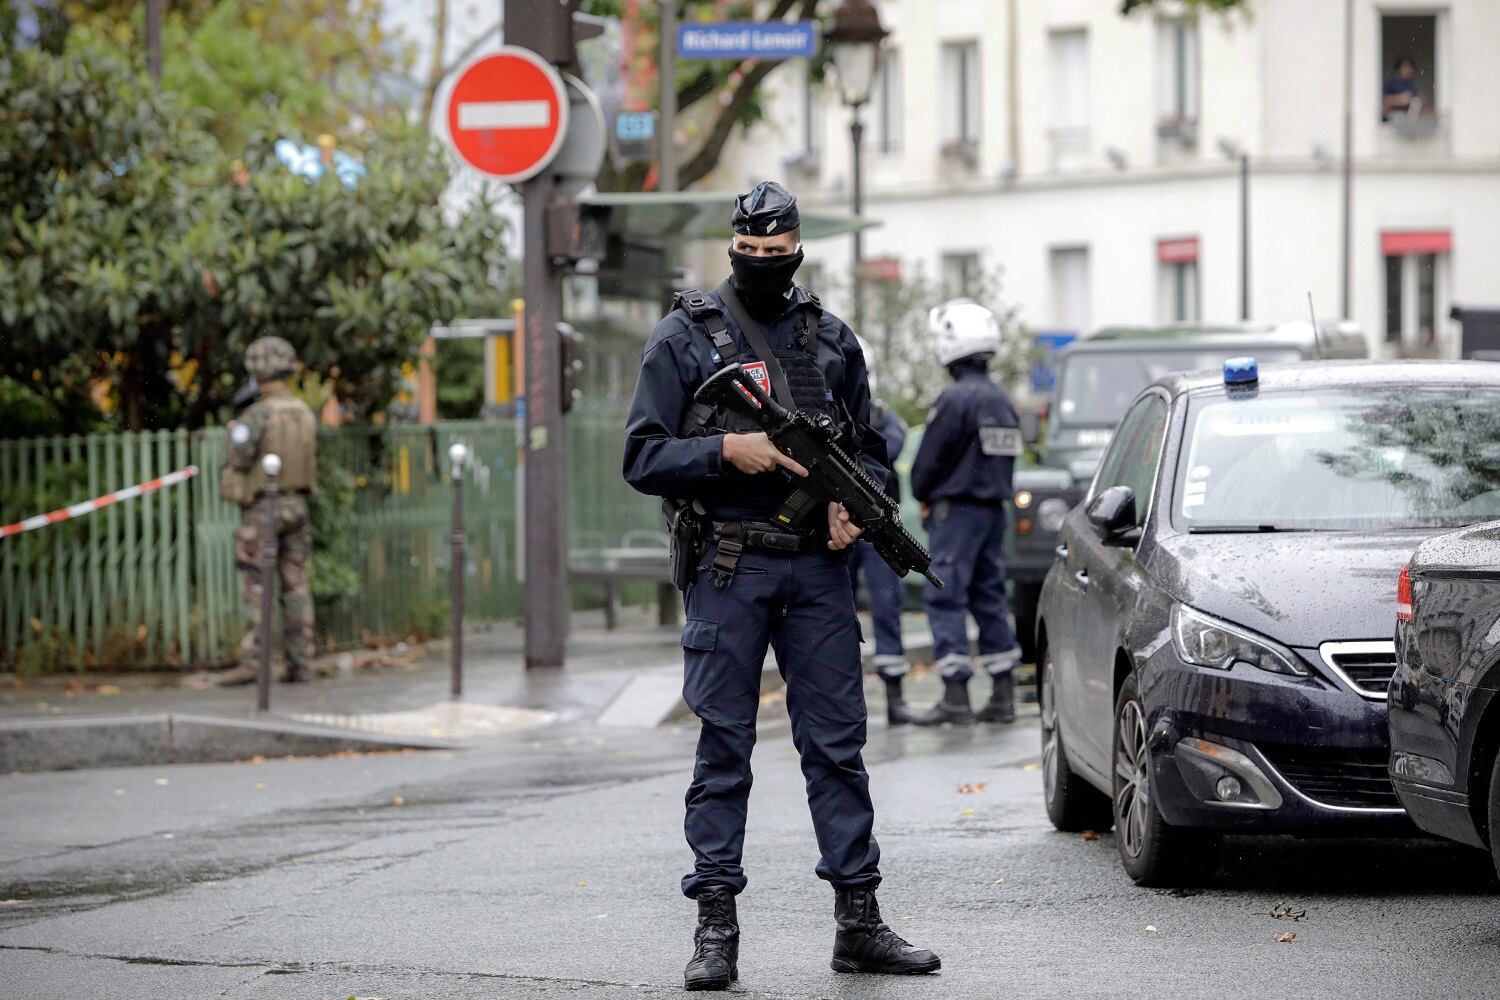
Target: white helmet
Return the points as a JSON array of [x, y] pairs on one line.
[[962, 328], [869, 353]]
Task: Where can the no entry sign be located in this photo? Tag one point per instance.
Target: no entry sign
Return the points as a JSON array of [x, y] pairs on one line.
[[507, 114]]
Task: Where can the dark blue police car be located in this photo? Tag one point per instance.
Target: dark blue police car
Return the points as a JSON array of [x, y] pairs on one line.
[[1215, 635]]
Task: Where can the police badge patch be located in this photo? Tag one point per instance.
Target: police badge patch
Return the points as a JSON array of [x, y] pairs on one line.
[[239, 434], [1000, 442], [758, 371]]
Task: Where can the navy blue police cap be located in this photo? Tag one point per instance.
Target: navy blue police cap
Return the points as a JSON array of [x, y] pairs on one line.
[[767, 210]]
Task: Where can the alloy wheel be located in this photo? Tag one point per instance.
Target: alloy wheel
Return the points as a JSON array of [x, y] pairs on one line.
[[1132, 788], [1049, 733]]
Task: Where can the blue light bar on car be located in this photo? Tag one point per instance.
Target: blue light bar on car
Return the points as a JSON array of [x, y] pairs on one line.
[[1241, 371]]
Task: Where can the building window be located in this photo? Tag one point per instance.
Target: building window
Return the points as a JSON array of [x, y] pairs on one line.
[[1177, 80], [960, 96], [1068, 134], [1069, 267], [960, 274], [1409, 88], [1177, 259], [1416, 267], [887, 100]]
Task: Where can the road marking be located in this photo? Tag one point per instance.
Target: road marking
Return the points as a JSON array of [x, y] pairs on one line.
[[504, 114]]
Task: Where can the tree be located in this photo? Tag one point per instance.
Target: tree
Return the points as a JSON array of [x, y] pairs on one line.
[[907, 374], [134, 256]]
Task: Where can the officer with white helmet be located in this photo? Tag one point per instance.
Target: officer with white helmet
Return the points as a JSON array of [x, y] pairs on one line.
[[962, 477]]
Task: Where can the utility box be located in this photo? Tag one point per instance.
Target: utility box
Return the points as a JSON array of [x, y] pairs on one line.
[[1481, 332]]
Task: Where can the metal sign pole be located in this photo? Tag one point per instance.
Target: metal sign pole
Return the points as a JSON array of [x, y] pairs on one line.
[[271, 466], [457, 454]]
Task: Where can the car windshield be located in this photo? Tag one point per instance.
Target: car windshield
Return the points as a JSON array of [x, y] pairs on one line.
[[1379, 457], [1096, 387]]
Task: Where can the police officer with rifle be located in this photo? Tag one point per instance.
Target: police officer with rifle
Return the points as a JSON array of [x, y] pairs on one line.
[[760, 533]]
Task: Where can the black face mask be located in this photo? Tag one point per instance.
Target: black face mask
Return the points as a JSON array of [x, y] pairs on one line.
[[764, 281]]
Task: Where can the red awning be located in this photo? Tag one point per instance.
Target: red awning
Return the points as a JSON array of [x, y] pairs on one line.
[[1177, 250], [1399, 242]]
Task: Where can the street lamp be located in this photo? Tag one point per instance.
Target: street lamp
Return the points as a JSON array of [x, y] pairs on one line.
[[1235, 151], [854, 39]]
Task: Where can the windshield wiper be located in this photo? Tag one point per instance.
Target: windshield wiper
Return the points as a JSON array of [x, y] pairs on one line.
[[1232, 529]]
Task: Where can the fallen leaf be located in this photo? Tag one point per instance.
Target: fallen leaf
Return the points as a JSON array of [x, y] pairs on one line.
[[119, 791], [966, 812], [582, 884], [999, 881], [9, 902], [260, 786], [74, 686], [1287, 938], [258, 759], [108, 689], [1090, 836], [975, 789], [1150, 928], [1031, 766], [398, 800], [1284, 911], [161, 781]]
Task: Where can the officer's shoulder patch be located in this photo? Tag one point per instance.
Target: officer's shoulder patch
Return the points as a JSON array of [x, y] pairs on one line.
[[239, 433]]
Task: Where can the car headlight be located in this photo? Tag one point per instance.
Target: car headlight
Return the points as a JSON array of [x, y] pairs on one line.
[[1051, 513], [1208, 642]]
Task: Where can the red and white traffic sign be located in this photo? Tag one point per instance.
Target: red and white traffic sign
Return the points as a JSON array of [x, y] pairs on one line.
[[508, 114]]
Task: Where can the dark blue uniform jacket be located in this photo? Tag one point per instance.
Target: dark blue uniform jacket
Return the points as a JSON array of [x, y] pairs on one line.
[[951, 464], [678, 359], [889, 425]]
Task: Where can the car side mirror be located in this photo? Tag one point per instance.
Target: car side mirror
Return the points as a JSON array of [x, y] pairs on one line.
[[1113, 512], [1031, 426]]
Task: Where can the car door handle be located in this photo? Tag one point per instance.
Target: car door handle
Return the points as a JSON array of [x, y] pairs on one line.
[[1082, 578], [1061, 551]]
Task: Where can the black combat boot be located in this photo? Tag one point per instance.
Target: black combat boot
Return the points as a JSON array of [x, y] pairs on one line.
[[865, 944], [953, 708], [716, 942], [1002, 704], [896, 712]]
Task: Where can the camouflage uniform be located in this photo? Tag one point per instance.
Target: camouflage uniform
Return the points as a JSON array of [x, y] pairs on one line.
[[282, 424]]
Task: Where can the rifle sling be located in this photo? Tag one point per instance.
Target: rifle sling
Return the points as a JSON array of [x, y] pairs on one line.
[[755, 335]]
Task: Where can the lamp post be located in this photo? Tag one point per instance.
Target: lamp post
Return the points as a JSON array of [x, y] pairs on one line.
[[457, 456], [1236, 152], [854, 40]]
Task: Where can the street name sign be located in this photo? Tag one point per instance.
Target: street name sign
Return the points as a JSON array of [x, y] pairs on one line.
[[508, 114], [748, 40]]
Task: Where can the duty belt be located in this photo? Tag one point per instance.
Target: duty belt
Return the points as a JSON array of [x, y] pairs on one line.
[[732, 538]]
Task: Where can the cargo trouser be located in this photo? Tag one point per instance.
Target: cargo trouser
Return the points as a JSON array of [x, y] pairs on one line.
[[293, 549], [967, 541], [799, 605]]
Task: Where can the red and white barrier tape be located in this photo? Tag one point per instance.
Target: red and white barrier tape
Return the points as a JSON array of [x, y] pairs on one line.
[[89, 506]]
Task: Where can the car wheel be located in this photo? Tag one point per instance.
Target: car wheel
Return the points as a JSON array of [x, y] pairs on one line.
[[1153, 852], [1026, 597], [1072, 803], [1495, 814]]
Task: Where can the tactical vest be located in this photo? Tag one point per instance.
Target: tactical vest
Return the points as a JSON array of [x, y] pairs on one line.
[[291, 433], [803, 376]]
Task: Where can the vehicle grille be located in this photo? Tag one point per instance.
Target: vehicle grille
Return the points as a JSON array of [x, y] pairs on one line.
[[1367, 666], [1335, 776]]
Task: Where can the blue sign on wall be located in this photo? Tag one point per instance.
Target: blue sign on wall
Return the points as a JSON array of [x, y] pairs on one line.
[[1044, 370], [747, 40]]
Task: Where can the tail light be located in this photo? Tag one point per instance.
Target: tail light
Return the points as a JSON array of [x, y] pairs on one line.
[[1403, 594]]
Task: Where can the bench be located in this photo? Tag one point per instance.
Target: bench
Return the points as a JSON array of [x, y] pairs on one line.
[[641, 558]]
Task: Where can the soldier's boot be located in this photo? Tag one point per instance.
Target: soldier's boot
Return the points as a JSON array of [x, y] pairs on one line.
[[237, 676], [896, 712], [1002, 704], [953, 708], [864, 943], [716, 942]]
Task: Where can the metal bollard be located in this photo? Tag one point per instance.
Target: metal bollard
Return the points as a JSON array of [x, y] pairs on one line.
[[457, 454], [271, 466]]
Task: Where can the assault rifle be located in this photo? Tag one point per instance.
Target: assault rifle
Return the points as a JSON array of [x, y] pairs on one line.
[[832, 475]]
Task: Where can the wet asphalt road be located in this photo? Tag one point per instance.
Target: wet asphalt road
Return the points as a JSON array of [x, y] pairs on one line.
[[546, 866]]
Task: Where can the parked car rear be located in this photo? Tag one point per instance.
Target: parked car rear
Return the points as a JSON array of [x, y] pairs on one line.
[[1444, 713]]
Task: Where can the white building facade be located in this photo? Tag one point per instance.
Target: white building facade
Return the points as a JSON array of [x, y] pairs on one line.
[[1095, 158]]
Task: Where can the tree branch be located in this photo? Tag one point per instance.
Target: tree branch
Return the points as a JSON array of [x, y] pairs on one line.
[[706, 82], [708, 154]]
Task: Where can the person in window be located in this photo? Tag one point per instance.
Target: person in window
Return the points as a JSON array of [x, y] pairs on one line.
[[1400, 93]]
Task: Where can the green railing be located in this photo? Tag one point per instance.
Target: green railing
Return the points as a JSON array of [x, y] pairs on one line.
[[151, 582]]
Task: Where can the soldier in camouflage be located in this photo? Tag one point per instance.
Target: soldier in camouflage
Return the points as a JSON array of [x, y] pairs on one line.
[[281, 424]]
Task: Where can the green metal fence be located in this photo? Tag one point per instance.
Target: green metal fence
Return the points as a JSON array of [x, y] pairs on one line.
[[151, 582]]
